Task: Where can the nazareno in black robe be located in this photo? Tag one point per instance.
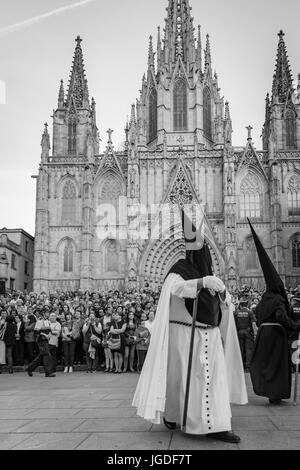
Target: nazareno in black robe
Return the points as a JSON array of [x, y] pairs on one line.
[[270, 369]]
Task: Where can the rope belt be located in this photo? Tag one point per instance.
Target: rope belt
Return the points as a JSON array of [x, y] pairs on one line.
[[271, 324], [204, 327]]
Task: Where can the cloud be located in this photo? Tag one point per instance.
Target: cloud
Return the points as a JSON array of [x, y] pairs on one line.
[[36, 19]]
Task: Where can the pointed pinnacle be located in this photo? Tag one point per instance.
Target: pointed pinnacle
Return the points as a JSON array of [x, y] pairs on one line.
[[207, 51], [227, 111], [150, 53]]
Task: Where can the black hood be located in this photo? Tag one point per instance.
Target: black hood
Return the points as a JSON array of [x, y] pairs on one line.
[[273, 281]]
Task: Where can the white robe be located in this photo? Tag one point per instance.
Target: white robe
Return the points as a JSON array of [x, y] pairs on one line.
[[217, 374]]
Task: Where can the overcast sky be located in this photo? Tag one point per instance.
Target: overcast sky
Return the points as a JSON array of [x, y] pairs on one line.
[[36, 55]]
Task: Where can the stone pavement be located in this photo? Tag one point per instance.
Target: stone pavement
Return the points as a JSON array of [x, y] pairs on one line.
[[93, 412]]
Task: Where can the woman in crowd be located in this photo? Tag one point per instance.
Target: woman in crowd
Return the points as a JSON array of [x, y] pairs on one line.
[[109, 361], [91, 330], [77, 336], [18, 351], [150, 322], [68, 343], [129, 343], [117, 331], [142, 336], [29, 340], [55, 333]]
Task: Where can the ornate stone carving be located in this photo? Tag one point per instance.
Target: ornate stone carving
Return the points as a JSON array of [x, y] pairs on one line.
[[181, 192]]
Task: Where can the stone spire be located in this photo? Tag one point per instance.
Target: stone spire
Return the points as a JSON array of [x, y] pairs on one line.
[[61, 96], [199, 50], [179, 32], [77, 90], [132, 116], [207, 52], [150, 53], [282, 79], [45, 143], [159, 50], [227, 112]]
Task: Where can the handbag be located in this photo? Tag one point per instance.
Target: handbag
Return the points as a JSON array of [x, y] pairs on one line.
[[95, 343], [114, 343]]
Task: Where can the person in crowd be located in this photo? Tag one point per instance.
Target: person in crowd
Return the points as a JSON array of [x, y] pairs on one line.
[[117, 330], [3, 316], [246, 328], [8, 336], [142, 338], [109, 360], [55, 332], [42, 330], [91, 330], [68, 343], [29, 340], [78, 323], [150, 322], [18, 351], [129, 343]]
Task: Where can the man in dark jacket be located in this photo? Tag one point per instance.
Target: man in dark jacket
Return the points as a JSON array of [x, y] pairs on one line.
[[9, 338], [270, 369]]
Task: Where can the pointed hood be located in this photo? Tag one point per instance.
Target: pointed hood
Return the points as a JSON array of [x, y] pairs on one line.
[[197, 251], [273, 281], [196, 265]]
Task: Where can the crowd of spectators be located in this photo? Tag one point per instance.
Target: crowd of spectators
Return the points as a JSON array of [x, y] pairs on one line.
[[108, 330]]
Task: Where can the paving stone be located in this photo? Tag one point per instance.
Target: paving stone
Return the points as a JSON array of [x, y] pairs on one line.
[[87, 404], [106, 413], [286, 422], [51, 442], [51, 413], [51, 425], [8, 441], [128, 440], [13, 414], [262, 423], [9, 425], [114, 425], [268, 440]]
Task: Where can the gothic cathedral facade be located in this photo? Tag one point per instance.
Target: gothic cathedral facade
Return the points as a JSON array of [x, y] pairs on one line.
[[178, 150]]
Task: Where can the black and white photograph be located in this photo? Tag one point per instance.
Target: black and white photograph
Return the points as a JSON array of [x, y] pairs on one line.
[[149, 228]]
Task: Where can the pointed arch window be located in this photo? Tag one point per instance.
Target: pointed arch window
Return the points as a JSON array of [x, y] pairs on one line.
[[69, 203], [72, 131], [251, 254], [290, 129], [69, 257], [296, 251], [207, 124], [152, 114], [294, 196], [250, 191], [180, 105]]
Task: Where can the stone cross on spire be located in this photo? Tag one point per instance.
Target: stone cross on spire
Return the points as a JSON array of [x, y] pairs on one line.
[[109, 131], [249, 129]]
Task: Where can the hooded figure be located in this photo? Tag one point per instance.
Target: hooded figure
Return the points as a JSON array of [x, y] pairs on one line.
[[270, 369], [217, 376]]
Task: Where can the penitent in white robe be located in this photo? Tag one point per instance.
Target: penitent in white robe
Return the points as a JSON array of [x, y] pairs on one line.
[[217, 377]]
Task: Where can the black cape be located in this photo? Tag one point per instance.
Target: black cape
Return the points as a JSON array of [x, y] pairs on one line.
[[271, 371], [209, 310]]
